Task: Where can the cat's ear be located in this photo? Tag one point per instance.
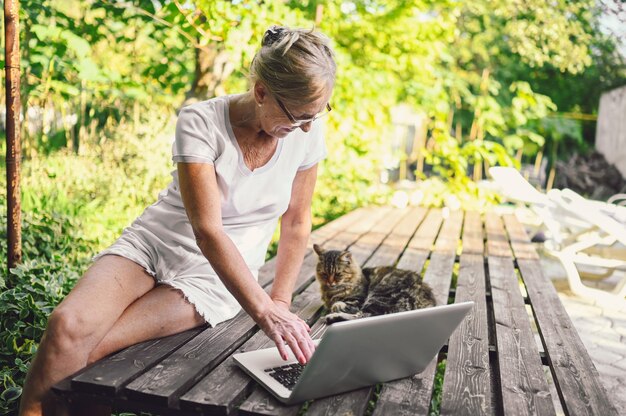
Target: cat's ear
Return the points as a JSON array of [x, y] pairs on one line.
[[346, 257], [318, 250]]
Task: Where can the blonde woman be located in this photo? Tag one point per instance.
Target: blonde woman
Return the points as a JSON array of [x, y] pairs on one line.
[[242, 161]]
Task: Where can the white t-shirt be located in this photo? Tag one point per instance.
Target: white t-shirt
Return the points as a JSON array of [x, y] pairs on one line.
[[251, 201]]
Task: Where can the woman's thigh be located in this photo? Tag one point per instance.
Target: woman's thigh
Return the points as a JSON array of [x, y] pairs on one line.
[[160, 312], [99, 298]]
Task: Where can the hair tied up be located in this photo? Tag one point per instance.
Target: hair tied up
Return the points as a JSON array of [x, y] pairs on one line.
[[272, 35]]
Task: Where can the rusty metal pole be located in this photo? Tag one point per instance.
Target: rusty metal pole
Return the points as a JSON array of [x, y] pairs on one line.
[[14, 146]]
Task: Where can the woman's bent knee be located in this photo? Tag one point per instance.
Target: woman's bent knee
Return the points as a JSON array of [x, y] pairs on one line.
[[68, 332]]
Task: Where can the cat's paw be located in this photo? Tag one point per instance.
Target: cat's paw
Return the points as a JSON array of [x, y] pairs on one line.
[[331, 318], [338, 307]]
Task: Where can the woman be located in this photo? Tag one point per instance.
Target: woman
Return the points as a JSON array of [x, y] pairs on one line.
[[193, 256]]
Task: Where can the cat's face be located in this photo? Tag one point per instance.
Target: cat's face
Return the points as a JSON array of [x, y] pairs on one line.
[[335, 267]]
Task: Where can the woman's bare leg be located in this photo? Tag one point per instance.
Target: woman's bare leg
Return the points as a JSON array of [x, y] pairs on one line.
[[161, 312], [79, 324]]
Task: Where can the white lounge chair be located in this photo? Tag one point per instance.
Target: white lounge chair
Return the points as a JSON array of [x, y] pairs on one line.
[[587, 237]]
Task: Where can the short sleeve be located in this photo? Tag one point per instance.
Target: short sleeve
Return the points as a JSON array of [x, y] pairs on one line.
[[316, 146], [195, 140]]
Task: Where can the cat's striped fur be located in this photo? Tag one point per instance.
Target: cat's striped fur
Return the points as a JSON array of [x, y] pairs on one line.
[[350, 292]]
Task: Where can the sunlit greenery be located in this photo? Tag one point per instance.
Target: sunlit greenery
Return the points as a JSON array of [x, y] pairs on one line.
[[102, 81]]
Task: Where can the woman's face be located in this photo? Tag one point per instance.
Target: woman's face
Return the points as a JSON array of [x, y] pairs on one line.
[[278, 119]]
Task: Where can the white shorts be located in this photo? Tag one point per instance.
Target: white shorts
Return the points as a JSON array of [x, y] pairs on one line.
[[162, 242]]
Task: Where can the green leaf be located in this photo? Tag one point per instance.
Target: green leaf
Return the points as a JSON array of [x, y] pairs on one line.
[[64, 88], [78, 45], [11, 394]]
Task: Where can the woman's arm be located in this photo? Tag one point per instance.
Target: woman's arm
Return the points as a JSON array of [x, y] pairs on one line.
[[201, 197], [295, 229]]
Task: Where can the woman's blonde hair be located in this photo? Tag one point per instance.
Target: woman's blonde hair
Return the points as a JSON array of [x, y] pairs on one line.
[[295, 64]]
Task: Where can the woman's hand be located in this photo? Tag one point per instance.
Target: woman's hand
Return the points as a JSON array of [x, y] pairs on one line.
[[282, 326]]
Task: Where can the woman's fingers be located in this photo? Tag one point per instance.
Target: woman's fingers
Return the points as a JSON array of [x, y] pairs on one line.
[[306, 346], [295, 348], [287, 328], [298, 341], [280, 344]]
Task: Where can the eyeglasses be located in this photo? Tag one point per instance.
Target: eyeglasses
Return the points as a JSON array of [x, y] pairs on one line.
[[298, 123]]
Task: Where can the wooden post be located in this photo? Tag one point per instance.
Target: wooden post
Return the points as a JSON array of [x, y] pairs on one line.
[[14, 150]]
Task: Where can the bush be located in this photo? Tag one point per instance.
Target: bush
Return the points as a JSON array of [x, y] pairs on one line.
[[54, 258]]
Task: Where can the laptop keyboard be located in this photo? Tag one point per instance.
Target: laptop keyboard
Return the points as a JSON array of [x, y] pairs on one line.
[[287, 375]]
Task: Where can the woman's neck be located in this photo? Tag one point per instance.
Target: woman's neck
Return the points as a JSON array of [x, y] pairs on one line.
[[243, 112]]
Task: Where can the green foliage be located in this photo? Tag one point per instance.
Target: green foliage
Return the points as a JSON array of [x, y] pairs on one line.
[[435, 403], [88, 64], [108, 185], [55, 255]]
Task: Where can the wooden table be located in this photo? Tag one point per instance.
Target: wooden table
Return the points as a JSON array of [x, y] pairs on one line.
[[516, 353]]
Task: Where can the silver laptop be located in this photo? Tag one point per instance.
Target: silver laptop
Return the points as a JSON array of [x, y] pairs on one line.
[[357, 353]]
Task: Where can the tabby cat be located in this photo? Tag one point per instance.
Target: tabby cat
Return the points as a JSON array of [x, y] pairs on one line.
[[350, 292]]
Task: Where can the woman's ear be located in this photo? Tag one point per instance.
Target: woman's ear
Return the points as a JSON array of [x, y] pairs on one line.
[[260, 93]]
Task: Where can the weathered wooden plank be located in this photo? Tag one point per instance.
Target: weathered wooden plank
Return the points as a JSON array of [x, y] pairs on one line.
[[395, 243], [497, 240], [473, 236], [407, 397], [420, 245], [448, 238], [520, 243], [353, 403], [363, 248], [573, 371], [411, 396], [108, 375], [467, 379], [176, 373], [399, 225], [262, 403], [524, 386], [172, 377]]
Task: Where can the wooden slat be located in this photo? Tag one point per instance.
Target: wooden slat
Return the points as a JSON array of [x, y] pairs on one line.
[[497, 240], [367, 244], [176, 373], [448, 238], [524, 386], [390, 250], [573, 371], [353, 403], [574, 374], [395, 225], [411, 396], [108, 375], [473, 235], [467, 379], [407, 397], [520, 242], [418, 250], [262, 403]]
